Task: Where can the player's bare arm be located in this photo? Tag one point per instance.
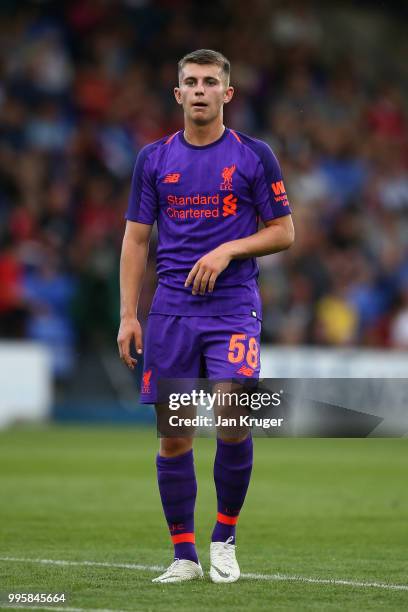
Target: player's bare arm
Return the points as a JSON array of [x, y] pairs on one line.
[[277, 235], [135, 249]]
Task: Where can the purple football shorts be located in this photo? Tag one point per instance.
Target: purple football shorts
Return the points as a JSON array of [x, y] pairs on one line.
[[216, 347]]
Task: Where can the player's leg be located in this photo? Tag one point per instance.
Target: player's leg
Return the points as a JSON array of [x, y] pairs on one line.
[[232, 474], [178, 491], [168, 354], [232, 352], [232, 464]]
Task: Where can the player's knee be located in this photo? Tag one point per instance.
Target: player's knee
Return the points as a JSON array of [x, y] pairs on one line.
[[171, 447], [231, 438]]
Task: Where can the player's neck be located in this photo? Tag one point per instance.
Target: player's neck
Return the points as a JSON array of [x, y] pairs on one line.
[[201, 135]]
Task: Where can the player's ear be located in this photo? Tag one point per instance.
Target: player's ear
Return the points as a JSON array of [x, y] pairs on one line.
[[229, 92], [177, 95]]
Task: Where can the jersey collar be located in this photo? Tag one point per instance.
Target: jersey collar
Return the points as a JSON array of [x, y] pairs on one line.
[[207, 146]]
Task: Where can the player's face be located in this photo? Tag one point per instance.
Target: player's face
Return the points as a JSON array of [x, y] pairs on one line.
[[202, 92]]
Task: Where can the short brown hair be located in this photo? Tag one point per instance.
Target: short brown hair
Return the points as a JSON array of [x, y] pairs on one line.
[[206, 56]]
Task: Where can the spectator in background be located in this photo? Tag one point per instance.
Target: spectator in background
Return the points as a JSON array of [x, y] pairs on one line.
[[399, 323], [13, 312], [85, 85], [48, 292]]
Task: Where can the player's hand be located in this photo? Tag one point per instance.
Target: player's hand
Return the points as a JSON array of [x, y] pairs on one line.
[[207, 269], [129, 331]]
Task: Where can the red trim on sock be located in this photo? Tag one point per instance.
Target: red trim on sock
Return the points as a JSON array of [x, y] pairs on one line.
[[226, 520], [183, 537]]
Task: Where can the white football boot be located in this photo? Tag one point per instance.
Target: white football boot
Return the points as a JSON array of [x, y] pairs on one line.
[[181, 570], [224, 566]]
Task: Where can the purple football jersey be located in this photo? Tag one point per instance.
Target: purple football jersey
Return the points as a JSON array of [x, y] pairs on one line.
[[201, 197]]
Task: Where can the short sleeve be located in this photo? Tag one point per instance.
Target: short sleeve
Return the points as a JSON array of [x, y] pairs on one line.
[[143, 200], [269, 191]]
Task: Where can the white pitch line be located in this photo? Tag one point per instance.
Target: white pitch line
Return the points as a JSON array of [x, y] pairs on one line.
[[334, 581], [158, 568], [22, 607], [131, 566]]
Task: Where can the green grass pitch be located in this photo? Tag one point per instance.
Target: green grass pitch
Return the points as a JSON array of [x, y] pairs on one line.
[[323, 509]]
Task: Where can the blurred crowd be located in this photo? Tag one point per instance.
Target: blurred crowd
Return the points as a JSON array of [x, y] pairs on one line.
[[85, 84]]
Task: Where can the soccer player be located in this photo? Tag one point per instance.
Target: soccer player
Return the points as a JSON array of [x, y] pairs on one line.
[[206, 187]]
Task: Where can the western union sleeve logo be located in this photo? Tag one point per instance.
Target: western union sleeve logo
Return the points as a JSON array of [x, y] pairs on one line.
[[279, 191], [278, 188]]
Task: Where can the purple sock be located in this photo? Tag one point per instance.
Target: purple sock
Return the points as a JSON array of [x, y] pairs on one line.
[[232, 472], [178, 491]]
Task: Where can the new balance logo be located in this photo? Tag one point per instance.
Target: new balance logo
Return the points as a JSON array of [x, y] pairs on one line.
[[245, 371], [278, 188], [229, 205], [172, 178]]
